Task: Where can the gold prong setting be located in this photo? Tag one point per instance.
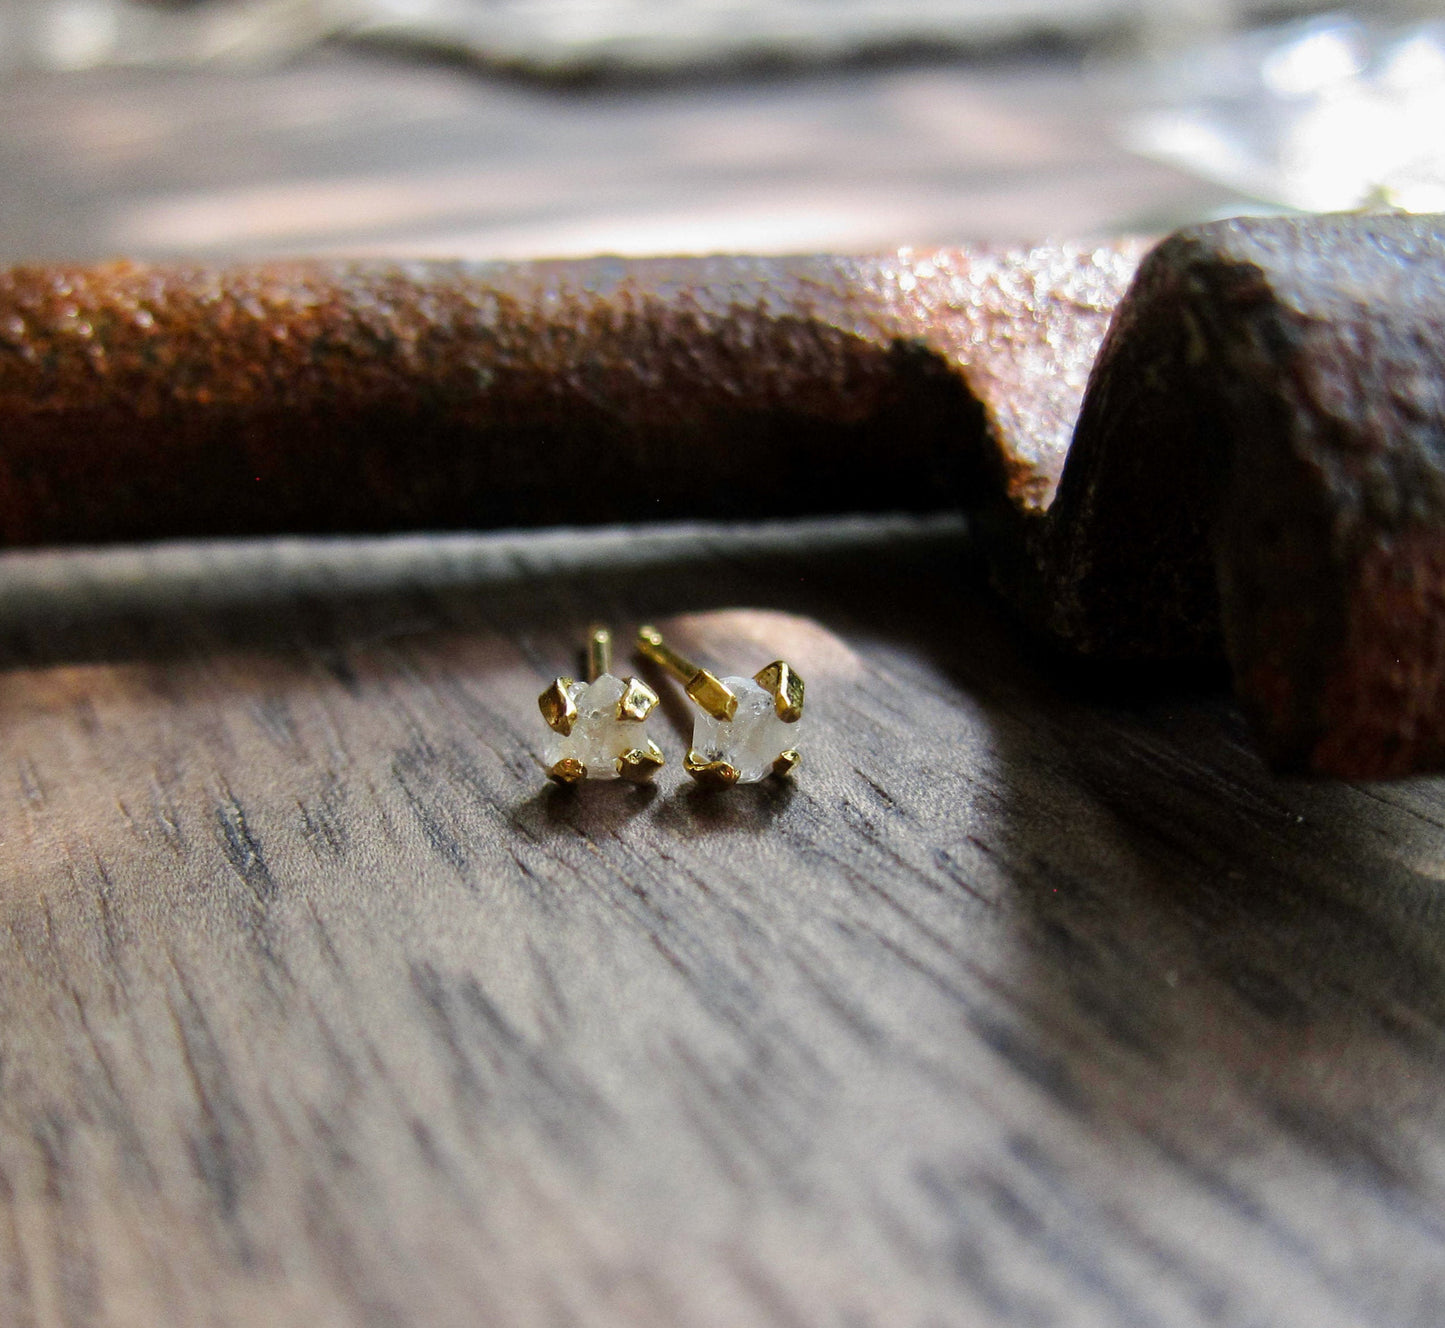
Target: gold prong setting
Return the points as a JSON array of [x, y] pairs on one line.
[[713, 695], [786, 688], [746, 728], [785, 763], [637, 701], [598, 728], [637, 765], [711, 774], [569, 770], [558, 705]]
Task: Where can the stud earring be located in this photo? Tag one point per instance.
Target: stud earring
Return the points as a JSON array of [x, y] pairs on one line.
[[599, 727], [747, 728]]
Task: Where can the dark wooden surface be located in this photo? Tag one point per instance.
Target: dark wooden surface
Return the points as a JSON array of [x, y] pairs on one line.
[[1034, 1000]]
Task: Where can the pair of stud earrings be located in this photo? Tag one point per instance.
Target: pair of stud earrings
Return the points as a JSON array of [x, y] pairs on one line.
[[746, 728]]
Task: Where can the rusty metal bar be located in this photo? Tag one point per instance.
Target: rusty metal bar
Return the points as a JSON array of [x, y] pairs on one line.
[[141, 402], [1262, 449], [1259, 462]]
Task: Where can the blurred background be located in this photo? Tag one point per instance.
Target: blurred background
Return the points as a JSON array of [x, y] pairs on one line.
[[517, 128]]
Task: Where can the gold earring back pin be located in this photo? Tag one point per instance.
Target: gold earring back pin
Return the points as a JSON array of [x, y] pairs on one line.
[[705, 688]]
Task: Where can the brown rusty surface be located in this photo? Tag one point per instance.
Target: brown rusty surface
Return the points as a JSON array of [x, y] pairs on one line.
[[140, 402], [1260, 457], [1263, 447]]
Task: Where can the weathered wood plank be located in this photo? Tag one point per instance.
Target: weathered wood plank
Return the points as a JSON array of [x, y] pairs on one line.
[[1035, 999]]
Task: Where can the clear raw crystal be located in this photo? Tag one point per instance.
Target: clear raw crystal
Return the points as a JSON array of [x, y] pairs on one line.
[[598, 737], [752, 739]]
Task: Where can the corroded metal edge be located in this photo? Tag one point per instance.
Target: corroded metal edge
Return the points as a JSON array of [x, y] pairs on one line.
[[1262, 453], [152, 401]]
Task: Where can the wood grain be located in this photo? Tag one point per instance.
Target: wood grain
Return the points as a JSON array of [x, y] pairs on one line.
[[1035, 1000]]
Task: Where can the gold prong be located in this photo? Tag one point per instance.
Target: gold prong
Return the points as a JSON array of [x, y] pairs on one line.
[[786, 687], [638, 764], [710, 774], [786, 762], [636, 701], [569, 770], [599, 651], [557, 706], [709, 692]]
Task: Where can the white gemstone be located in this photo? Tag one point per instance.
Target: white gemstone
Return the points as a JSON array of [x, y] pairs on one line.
[[752, 739], [598, 737]]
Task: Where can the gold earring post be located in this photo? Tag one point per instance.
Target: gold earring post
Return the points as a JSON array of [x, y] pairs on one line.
[[705, 688], [599, 651]]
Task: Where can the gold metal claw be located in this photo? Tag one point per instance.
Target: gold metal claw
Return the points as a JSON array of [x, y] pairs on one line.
[[569, 770], [638, 764], [710, 774], [786, 762], [637, 700], [557, 706], [712, 695], [786, 688]]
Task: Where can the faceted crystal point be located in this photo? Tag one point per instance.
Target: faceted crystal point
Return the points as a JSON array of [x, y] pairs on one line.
[[751, 741], [599, 737]]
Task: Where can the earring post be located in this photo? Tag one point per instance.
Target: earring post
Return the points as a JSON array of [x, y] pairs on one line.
[[707, 690], [599, 651], [650, 645]]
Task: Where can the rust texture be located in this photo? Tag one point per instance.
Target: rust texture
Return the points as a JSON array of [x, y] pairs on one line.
[[1258, 463], [142, 402], [1262, 449]]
